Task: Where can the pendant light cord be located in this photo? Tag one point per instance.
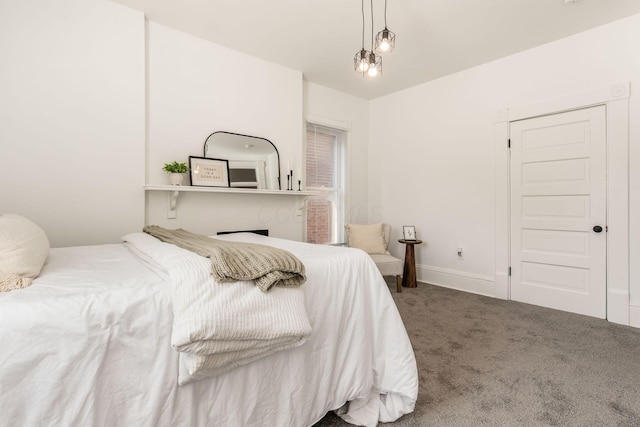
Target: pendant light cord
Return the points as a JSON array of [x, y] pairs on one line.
[[385, 14], [363, 24], [372, 26]]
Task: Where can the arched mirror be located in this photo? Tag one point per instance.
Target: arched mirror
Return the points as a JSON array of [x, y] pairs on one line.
[[253, 161]]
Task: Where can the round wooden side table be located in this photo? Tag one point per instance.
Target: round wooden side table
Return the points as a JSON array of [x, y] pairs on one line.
[[409, 274]]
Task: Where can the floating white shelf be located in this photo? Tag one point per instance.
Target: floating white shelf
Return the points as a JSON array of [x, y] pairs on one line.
[[175, 190], [181, 188]]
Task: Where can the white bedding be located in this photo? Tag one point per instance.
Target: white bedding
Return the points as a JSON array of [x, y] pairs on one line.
[[89, 343], [220, 326]]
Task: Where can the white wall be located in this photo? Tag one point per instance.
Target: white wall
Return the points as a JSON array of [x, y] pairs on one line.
[[195, 88], [333, 108], [72, 109], [432, 147]]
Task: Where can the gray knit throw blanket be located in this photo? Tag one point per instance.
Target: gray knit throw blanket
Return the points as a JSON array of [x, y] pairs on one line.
[[234, 261]]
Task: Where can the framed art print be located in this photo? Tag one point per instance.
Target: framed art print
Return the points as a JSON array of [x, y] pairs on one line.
[[409, 232], [206, 172]]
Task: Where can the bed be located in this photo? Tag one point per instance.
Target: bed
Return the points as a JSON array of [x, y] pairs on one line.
[[89, 344]]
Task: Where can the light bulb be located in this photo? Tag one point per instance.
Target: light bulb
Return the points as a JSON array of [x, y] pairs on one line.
[[373, 71], [361, 61], [385, 41]]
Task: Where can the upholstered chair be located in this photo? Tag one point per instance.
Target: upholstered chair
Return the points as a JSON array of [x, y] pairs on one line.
[[374, 239]]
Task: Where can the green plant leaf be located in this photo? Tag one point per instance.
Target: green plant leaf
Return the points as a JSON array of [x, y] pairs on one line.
[[175, 167]]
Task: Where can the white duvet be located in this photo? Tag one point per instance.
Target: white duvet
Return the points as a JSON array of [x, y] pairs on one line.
[[220, 326], [89, 344]]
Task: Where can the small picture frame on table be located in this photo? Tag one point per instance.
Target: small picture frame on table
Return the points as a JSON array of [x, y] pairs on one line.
[[207, 172], [409, 232]]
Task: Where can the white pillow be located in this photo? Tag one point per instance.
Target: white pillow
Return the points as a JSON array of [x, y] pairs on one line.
[[369, 238], [24, 248]]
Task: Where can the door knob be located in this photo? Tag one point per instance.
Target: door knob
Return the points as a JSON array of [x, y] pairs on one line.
[[597, 229]]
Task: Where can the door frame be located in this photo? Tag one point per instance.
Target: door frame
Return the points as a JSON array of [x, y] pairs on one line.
[[616, 100]]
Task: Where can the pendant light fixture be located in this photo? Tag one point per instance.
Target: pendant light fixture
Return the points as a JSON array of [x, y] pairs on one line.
[[375, 60], [385, 39], [368, 62], [361, 60]]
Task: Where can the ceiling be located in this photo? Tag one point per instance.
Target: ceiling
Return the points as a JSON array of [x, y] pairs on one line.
[[433, 37]]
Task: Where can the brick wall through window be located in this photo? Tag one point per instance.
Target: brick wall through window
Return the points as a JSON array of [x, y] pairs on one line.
[[322, 166]]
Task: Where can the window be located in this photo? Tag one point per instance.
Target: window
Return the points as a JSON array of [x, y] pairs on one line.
[[324, 152]]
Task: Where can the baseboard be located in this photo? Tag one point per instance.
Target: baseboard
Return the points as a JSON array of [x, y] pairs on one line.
[[634, 315], [502, 286], [618, 308], [459, 280]]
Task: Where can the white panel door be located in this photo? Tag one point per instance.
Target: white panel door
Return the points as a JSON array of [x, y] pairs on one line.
[[558, 201]]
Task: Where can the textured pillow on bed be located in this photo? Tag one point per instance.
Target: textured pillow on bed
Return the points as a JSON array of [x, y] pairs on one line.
[[24, 248], [369, 238]]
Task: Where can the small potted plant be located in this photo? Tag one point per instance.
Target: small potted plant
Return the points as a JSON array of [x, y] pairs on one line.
[[176, 172]]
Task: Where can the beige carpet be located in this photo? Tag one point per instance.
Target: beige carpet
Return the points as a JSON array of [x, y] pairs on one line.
[[489, 362]]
